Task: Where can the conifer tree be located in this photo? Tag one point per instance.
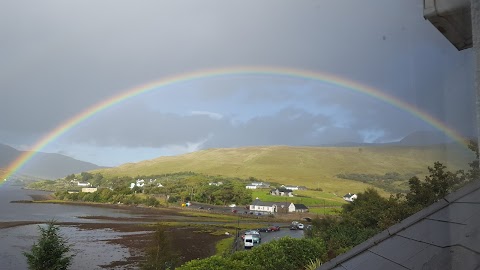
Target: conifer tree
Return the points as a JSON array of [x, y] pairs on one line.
[[51, 250]]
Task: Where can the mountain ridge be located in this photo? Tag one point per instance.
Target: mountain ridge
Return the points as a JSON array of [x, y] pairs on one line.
[[312, 166], [45, 165]]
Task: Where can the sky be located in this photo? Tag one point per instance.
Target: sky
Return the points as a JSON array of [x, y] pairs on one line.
[[59, 58]]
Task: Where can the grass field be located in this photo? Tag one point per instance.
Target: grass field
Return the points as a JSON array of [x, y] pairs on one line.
[[307, 197], [224, 246], [314, 167], [325, 211]]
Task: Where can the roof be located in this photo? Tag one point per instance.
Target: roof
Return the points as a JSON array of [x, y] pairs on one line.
[[261, 203], [282, 189], [300, 206], [445, 235]]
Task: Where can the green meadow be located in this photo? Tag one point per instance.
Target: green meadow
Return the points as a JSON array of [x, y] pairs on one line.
[[308, 197], [314, 167]]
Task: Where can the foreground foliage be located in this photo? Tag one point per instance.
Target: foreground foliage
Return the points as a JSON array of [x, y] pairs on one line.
[[51, 250], [287, 254], [371, 213]]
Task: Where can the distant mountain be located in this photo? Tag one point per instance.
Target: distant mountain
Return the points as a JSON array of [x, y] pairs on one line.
[[45, 165], [417, 138], [307, 166], [422, 138]]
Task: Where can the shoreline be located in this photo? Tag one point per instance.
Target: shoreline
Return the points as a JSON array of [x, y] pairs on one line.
[[190, 242], [194, 233]]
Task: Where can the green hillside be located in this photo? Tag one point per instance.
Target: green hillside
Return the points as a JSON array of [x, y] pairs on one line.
[[314, 167]]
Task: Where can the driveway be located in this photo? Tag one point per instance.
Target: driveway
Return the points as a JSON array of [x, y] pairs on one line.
[[269, 236]]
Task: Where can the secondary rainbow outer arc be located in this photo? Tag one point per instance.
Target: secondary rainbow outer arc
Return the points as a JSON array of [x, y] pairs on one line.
[[205, 74]]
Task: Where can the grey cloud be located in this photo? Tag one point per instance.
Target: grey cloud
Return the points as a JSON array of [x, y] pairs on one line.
[[140, 127], [287, 127], [59, 58], [143, 128]]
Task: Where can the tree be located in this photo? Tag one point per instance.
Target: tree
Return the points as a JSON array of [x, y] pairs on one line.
[[85, 176], [474, 172], [436, 186], [366, 210], [160, 254], [50, 252], [286, 253]]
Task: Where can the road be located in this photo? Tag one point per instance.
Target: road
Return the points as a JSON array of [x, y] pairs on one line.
[[269, 236]]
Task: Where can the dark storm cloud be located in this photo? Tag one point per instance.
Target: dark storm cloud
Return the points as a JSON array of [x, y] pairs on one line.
[[135, 126], [59, 58]]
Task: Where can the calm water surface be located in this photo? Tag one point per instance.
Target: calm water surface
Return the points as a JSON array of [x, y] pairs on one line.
[[89, 246]]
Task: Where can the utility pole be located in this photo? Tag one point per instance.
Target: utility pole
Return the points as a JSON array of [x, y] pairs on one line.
[[324, 207]]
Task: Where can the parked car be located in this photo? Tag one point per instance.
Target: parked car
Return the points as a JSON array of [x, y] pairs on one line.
[[209, 208], [264, 230], [274, 228], [234, 211], [201, 207], [251, 232], [251, 241], [293, 227], [300, 226]]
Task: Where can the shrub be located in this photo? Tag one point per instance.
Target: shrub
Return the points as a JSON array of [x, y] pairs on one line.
[[50, 252]]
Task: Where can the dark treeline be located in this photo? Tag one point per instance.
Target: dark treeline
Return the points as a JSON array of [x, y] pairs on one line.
[[391, 181]]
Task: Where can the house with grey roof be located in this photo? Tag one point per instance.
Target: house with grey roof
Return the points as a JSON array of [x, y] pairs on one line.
[[350, 197], [299, 208], [269, 207], [281, 192], [445, 235]]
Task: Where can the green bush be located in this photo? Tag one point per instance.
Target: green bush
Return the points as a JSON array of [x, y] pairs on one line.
[[50, 252], [284, 254], [215, 263]]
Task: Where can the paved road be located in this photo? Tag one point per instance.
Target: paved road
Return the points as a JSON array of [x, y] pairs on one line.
[[269, 236]]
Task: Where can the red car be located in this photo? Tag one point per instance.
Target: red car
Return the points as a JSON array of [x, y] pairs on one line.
[[274, 228]]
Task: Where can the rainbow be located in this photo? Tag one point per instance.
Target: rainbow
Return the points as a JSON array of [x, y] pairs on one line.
[[211, 73]]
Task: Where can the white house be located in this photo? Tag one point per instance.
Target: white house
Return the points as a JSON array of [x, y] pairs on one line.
[[269, 207], [83, 184], [295, 187], [140, 183], [261, 184], [350, 197], [215, 184], [281, 192], [89, 189], [297, 207], [257, 184], [251, 187]]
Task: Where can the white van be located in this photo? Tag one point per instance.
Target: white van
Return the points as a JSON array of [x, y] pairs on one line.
[[251, 240]]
